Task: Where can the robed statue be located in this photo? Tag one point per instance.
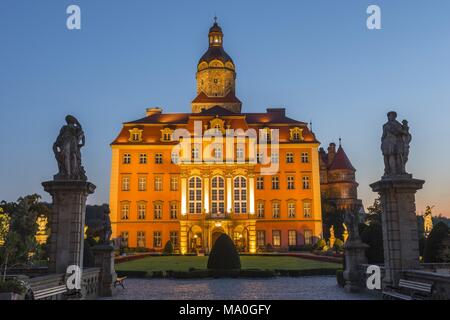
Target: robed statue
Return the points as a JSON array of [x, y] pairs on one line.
[[351, 220], [106, 231], [395, 145], [67, 151]]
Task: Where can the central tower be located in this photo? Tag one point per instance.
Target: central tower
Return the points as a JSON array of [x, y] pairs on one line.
[[216, 76]]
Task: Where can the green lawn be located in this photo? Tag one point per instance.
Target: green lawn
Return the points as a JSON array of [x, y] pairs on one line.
[[183, 263]]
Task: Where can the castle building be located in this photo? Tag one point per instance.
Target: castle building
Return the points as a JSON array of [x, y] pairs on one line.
[[339, 189], [173, 179]]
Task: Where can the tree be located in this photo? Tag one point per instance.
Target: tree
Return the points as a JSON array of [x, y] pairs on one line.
[[224, 255], [372, 235], [374, 212], [434, 242], [168, 248]]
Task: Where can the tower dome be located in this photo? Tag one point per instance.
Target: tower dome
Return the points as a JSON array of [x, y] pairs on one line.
[[216, 76]]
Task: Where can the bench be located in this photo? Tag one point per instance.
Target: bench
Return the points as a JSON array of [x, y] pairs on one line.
[[416, 290], [119, 281], [48, 292]]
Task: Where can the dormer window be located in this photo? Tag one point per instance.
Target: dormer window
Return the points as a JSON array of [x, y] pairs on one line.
[[135, 135], [166, 135], [296, 134], [265, 134]]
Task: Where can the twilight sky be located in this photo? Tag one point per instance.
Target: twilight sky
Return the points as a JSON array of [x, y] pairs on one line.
[[316, 58]]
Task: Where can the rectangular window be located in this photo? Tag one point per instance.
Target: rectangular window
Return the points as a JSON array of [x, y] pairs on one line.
[[125, 211], [125, 183], [218, 153], [261, 238], [157, 211], [157, 240], [143, 158], [291, 209], [142, 183], [308, 237], [124, 239], [173, 210], [240, 154], [276, 238], [275, 210], [305, 157], [260, 210], [290, 183], [158, 158], [173, 183], [260, 183], [158, 184], [142, 210], [274, 157], [174, 238], [292, 238], [307, 209], [126, 158], [305, 181], [289, 157], [275, 183], [195, 153], [141, 239]]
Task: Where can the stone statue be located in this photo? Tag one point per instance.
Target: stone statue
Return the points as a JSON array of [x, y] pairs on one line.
[[67, 151], [105, 232], [428, 220], [351, 220], [395, 145]]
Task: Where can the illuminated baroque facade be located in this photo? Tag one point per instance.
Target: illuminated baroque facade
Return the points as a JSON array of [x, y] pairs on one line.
[[206, 188]]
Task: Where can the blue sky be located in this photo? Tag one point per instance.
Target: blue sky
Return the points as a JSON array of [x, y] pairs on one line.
[[316, 58]]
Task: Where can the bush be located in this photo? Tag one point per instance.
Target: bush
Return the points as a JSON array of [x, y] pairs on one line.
[[338, 245], [168, 248], [12, 286], [434, 243], [320, 244], [372, 235], [305, 247], [224, 255]]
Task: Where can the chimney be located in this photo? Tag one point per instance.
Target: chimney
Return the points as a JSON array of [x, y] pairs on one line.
[[153, 110], [277, 111], [331, 152]]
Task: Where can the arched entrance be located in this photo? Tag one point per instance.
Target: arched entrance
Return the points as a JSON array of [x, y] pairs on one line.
[[216, 234], [195, 239], [240, 238]]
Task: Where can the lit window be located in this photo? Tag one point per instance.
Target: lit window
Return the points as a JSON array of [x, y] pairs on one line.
[[307, 209], [218, 153], [173, 184], [240, 195], [195, 153], [174, 238], [157, 211], [290, 183], [296, 134], [125, 211], [289, 157], [142, 210], [124, 239], [143, 158], [276, 210], [158, 184], [217, 195], [305, 182], [308, 236], [126, 158], [141, 239], [260, 209], [125, 183], [240, 154], [260, 183], [275, 183], [157, 240], [292, 238], [291, 209], [305, 157], [175, 158], [261, 238], [195, 195], [276, 238], [142, 183], [158, 158], [274, 157], [173, 210]]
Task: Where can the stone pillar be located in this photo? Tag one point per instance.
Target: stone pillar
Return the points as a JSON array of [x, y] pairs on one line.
[[67, 222], [399, 222], [206, 193], [355, 255], [251, 191], [229, 194], [183, 196], [104, 259]]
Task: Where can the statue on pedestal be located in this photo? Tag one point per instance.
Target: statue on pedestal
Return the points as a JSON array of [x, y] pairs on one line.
[[332, 237], [67, 151], [395, 143], [351, 220], [106, 232], [428, 221]]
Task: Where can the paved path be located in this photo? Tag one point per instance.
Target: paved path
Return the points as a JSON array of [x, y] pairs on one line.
[[282, 288]]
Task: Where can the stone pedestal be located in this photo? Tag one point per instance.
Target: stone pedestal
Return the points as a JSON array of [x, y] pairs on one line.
[[67, 222], [399, 222], [104, 259], [355, 255]]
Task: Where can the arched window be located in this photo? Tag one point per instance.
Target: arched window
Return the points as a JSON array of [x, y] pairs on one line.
[[217, 195], [195, 195], [240, 195]]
